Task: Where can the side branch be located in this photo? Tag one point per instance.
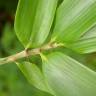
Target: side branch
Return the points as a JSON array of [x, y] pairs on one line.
[[28, 52]]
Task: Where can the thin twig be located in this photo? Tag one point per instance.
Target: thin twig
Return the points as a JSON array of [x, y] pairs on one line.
[[28, 52]]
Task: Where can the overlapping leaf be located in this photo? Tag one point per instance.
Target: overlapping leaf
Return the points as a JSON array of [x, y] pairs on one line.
[[73, 19], [34, 76], [87, 43], [68, 77], [33, 21]]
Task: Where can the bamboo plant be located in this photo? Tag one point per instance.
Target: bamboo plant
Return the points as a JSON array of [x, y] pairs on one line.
[[45, 26]]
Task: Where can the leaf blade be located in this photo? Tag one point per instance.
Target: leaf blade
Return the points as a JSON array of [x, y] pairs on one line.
[[87, 43], [33, 21], [34, 75], [73, 19], [68, 77]]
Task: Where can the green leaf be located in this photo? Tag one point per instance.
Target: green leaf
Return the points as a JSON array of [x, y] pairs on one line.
[[68, 77], [33, 21], [87, 43], [73, 19], [34, 76]]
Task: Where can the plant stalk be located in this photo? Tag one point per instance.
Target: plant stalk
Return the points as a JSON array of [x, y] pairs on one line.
[[28, 52]]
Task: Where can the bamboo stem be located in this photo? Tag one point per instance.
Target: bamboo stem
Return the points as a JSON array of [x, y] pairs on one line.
[[28, 52]]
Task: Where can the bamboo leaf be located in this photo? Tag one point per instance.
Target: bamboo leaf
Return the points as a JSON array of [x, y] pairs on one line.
[[33, 21], [68, 77], [87, 43], [73, 19], [34, 76]]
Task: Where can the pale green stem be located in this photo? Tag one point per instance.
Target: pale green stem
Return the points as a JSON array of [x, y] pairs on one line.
[[28, 52]]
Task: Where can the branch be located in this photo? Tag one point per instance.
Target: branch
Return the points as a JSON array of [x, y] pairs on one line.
[[28, 52]]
